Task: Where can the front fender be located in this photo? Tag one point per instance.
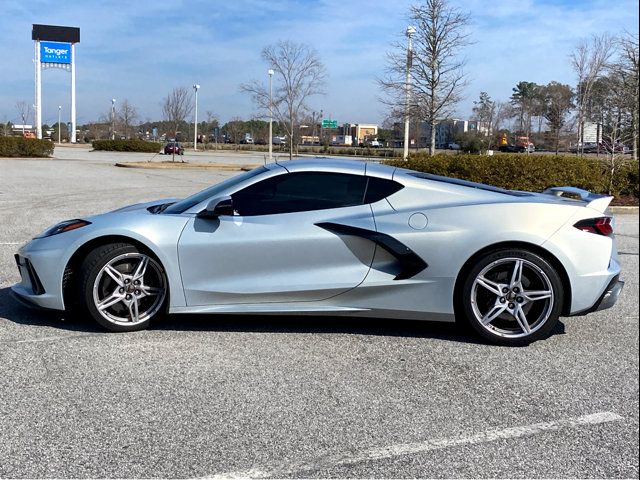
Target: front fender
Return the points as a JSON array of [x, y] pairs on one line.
[[158, 233]]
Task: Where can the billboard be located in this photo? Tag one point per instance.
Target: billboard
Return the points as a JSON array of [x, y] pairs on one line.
[[55, 52], [55, 33], [591, 133]]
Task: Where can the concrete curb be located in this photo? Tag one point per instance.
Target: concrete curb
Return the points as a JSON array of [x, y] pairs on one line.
[[28, 158], [624, 210], [185, 166]]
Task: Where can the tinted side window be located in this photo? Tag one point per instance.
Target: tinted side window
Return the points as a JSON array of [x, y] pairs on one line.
[[379, 188], [299, 192]]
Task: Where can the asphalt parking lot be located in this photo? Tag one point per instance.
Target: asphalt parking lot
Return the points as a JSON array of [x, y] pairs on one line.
[[207, 396]]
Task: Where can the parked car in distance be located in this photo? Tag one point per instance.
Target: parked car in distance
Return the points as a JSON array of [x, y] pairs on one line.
[[452, 146], [602, 147], [588, 147], [516, 148], [173, 148]]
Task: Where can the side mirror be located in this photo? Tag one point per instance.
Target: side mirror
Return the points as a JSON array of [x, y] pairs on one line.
[[217, 207]]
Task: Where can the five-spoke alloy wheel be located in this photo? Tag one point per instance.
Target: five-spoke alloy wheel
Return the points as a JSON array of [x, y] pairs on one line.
[[512, 297], [124, 288]]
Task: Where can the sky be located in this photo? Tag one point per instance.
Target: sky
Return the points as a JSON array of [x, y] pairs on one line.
[[140, 50]]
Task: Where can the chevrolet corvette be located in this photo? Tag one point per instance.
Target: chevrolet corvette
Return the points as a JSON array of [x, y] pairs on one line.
[[330, 237]]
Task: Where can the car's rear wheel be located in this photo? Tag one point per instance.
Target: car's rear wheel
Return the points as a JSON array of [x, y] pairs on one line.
[[123, 288], [512, 297]]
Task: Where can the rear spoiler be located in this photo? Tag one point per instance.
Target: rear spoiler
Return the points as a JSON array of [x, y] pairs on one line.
[[592, 200]]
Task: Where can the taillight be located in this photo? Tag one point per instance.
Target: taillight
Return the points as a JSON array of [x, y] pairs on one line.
[[599, 226]]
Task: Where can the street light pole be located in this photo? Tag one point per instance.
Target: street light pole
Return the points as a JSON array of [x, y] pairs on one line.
[[270, 72], [195, 119], [410, 31], [113, 119], [59, 119]]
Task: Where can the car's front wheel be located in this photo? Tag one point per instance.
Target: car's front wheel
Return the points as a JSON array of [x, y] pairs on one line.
[[122, 288], [512, 297]]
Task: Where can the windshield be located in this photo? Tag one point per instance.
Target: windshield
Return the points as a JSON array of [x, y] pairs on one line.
[[187, 203]]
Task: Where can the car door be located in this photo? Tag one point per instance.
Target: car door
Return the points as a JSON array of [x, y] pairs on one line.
[[272, 249]]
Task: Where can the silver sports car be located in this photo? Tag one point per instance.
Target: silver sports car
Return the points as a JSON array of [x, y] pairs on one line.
[[328, 237]]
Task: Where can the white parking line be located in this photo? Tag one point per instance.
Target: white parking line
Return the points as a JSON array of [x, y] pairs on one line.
[[11, 243], [53, 339], [420, 447]]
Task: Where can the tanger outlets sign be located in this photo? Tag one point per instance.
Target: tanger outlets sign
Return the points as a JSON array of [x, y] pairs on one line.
[[54, 47], [55, 52]]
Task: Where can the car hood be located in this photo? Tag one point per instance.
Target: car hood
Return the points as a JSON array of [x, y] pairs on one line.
[[145, 205]]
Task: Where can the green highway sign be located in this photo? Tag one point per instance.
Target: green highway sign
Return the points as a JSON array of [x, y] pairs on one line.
[[329, 123]]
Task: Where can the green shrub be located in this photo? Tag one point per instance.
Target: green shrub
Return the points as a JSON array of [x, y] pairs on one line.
[[530, 172], [626, 179], [25, 147], [132, 145]]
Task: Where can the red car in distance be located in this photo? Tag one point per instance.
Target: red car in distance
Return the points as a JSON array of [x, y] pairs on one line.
[[173, 148]]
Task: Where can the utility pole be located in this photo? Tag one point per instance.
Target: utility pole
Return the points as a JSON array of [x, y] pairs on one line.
[[410, 31], [270, 72], [72, 138], [38, 102], [113, 119], [59, 119], [195, 119]]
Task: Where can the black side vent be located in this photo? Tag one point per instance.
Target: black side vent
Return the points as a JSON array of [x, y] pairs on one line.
[[36, 284], [410, 263]]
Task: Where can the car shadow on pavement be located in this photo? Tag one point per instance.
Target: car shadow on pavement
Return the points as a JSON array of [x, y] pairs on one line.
[[387, 327], [15, 311]]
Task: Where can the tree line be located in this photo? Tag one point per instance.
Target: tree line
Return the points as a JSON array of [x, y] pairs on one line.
[[424, 83], [427, 81], [606, 94]]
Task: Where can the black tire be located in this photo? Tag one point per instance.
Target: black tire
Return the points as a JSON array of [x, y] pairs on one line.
[[91, 267], [542, 277]]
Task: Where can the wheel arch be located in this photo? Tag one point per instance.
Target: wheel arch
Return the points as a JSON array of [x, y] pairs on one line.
[[71, 268], [533, 248]]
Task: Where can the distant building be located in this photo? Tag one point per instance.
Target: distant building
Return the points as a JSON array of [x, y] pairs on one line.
[[15, 129], [310, 139], [347, 134], [342, 140], [361, 132], [447, 131]]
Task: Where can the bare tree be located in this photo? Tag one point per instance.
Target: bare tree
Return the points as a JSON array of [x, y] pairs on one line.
[[627, 69], [435, 65], [176, 107], [559, 101], [234, 129], [610, 105], [298, 75], [213, 123], [127, 115], [525, 97], [484, 110], [502, 112], [24, 110], [589, 61]]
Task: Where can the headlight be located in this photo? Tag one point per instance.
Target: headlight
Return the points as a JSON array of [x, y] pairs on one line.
[[64, 227]]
